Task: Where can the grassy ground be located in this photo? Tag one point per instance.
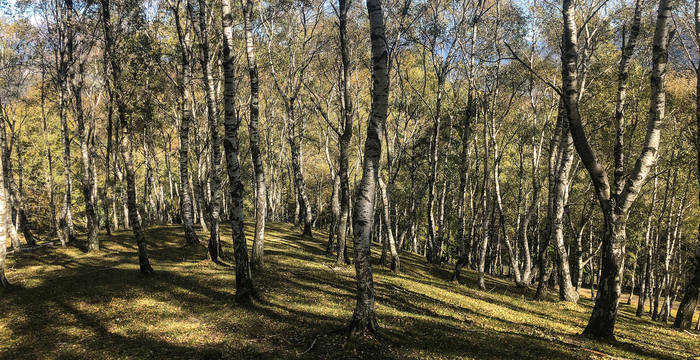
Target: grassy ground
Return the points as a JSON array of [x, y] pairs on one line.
[[71, 305]]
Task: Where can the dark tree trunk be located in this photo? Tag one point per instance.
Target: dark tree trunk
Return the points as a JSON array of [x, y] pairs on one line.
[[4, 207], [68, 228], [686, 309], [344, 137]]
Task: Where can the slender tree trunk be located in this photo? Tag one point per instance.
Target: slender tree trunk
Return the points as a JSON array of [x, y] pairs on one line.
[[383, 192], [463, 252], [253, 134], [335, 210], [49, 166], [432, 176], [214, 248], [68, 228], [346, 115], [3, 229], [554, 162], [484, 208], [632, 280], [298, 174], [364, 317], [686, 308], [126, 143], [567, 292], [87, 156], [244, 280], [7, 183], [108, 201], [186, 205]]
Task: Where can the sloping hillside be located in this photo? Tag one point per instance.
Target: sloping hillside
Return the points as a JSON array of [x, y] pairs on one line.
[[69, 304]]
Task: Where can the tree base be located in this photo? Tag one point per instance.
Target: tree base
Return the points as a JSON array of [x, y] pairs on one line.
[[146, 269], [364, 326], [600, 337], [245, 296], [307, 232], [395, 265], [4, 284]]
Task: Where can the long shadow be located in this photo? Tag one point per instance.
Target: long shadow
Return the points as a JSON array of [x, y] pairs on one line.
[[272, 327]]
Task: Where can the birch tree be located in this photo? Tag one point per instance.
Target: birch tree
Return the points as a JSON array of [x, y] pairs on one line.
[[364, 318], [615, 206]]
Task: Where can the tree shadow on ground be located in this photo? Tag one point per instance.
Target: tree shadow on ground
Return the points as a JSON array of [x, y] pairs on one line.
[[98, 306]]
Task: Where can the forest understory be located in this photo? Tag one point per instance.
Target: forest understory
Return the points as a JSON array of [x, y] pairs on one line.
[[66, 303]]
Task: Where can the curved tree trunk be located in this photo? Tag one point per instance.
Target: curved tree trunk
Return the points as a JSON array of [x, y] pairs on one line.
[[615, 207]]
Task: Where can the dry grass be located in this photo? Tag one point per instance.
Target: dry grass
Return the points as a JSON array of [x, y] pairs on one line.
[[72, 305]]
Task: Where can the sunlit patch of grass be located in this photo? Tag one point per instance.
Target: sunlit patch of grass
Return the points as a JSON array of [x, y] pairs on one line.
[[72, 304]]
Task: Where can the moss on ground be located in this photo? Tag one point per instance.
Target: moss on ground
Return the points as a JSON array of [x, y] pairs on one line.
[[69, 304]]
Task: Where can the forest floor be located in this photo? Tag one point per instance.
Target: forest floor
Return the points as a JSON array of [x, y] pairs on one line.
[[68, 304]]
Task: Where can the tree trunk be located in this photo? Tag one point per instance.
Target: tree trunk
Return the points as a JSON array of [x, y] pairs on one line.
[[364, 317], [383, 192], [463, 252], [686, 308], [126, 144], [186, 205], [567, 292], [49, 165], [4, 207], [335, 214], [433, 239], [68, 228], [244, 280], [632, 281], [485, 213], [214, 246], [346, 115], [554, 162], [648, 259], [253, 134], [296, 157], [87, 155], [615, 207]]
